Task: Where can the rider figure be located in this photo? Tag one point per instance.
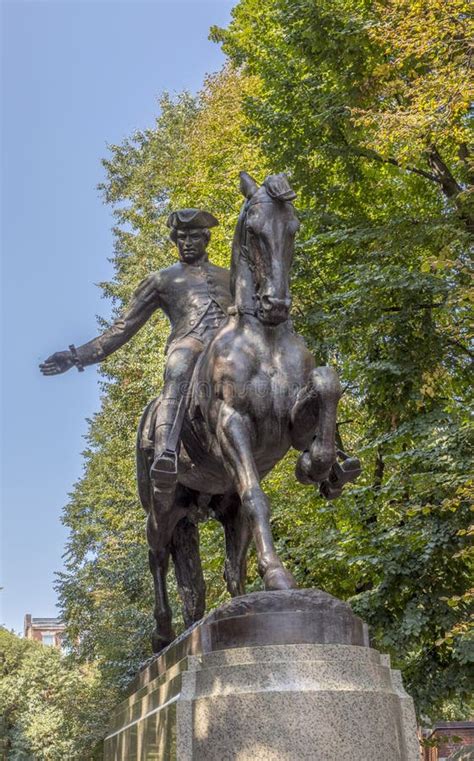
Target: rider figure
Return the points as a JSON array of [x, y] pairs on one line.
[[195, 295]]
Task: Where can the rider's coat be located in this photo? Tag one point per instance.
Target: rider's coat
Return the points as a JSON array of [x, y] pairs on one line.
[[200, 297], [193, 297]]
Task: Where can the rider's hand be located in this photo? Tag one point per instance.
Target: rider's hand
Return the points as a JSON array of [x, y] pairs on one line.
[[57, 363]]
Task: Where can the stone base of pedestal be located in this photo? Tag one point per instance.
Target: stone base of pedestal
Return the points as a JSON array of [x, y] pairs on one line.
[[223, 692]]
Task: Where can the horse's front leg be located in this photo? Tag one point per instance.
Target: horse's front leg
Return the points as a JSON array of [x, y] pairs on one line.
[[313, 425], [234, 438]]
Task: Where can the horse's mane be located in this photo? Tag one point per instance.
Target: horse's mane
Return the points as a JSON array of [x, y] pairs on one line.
[[236, 251]]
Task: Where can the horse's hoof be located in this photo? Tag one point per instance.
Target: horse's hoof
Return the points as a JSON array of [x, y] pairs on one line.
[[339, 476], [320, 470], [351, 469], [303, 469], [322, 460], [278, 578], [160, 641], [311, 471]]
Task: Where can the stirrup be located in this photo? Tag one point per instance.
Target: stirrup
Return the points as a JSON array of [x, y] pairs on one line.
[[165, 468]]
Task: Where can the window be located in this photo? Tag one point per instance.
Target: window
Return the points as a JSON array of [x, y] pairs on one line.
[[48, 639]]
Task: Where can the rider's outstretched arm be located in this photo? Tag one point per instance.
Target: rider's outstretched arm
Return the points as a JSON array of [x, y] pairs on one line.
[[145, 301]]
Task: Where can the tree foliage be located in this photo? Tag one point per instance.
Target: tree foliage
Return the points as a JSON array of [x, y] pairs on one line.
[[350, 81], [366, 104], [51, 708]]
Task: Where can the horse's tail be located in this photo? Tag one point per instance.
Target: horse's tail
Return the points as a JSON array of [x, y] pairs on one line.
[[144, 455]]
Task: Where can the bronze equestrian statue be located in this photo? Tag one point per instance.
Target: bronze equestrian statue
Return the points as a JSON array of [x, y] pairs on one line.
[[240, 390]]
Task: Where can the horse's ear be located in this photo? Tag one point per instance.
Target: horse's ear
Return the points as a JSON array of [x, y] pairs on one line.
[[278, 186], [248, 186]]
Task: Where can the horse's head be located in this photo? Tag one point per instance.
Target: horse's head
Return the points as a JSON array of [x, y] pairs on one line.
[[268, 225]]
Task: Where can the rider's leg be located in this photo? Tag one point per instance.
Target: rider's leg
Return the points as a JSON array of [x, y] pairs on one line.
[[179, 369], [234, 439]]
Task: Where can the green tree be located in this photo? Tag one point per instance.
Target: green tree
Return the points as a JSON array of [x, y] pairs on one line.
[[52, 709], [353, 81], [366, 105]]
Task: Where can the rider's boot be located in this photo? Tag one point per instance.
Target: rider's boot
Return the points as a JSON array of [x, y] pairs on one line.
[[165, 465]]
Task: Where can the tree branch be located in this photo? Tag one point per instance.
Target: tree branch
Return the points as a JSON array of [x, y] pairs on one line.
[[460, 346], [417, 306], [450, 186], [368, 153], [465, 156], [379, 470], [440, 174]]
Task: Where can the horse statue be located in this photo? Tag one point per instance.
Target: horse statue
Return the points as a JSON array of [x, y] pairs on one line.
[[255, 393]]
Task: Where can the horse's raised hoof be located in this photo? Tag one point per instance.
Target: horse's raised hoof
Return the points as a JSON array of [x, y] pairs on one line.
[[278, 578], [329, 491], [311, 471], [303, 469]]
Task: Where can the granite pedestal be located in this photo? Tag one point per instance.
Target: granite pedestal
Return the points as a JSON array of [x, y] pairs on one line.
[[280, 676]]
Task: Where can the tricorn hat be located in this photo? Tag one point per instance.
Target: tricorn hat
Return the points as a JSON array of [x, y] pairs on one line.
[[186, 219]]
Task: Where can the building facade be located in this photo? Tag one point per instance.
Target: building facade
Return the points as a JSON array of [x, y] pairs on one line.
[[49, 631], [450, 740]]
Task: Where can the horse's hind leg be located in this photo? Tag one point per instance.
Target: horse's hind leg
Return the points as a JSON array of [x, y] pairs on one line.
[[188, 570], [163, 634], [161, 523], [237, 539]]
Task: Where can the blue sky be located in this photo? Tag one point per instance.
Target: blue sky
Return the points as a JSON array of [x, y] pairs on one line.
[[76, 76]]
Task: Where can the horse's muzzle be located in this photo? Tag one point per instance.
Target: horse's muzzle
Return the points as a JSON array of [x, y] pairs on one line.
[[272, 310]]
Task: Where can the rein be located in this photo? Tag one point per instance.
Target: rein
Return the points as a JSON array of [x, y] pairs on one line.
[[244, 253]]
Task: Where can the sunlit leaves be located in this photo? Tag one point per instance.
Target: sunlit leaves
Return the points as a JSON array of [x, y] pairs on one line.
[[366, 104], [52, 708]]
